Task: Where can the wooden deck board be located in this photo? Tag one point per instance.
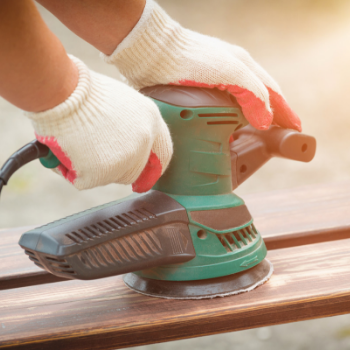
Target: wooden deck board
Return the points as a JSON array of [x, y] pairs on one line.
[[16, 270], [309, 282], [302, 215], [287, 218]]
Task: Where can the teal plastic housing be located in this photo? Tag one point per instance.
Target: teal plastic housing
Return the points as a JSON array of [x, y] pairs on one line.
[[199, 178], [201, 163], [218, 253]]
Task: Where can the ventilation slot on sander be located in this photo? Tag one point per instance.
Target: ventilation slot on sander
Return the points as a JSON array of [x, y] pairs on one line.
[[238, 239], [136, 247], [52, 265], [109, 225], [32, 256], [60, 265]]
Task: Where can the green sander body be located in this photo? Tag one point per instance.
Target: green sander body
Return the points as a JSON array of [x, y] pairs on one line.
[[190, 236]]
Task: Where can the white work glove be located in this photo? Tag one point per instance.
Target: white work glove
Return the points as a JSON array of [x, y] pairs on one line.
[[159, 51], [105, 132]]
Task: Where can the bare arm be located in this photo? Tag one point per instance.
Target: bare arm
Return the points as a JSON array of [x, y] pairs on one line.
[[35, 71], [103, 23]]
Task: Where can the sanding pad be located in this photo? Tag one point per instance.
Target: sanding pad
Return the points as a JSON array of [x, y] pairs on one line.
[[202, 289]]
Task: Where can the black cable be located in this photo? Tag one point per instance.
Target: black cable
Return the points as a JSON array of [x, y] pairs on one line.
[[31, 151]]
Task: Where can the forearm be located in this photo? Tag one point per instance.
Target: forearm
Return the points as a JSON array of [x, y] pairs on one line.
[[35, 72], [103, 24]]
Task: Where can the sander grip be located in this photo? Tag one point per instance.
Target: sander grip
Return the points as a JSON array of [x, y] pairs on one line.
[[252, 148]]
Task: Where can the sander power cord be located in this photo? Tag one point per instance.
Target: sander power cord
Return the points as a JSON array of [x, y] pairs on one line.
[[31, 151]]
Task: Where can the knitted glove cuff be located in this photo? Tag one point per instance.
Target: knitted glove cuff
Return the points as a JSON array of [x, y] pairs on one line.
[[154, 45], [73, 102], [135, 33]]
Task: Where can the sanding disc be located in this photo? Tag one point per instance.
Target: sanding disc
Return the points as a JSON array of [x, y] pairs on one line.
[[201, 289]]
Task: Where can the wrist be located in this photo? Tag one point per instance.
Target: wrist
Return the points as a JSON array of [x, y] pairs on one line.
[[153, 50], [57, 91], [103, 24], [77, 88], [35, 71], [134, 33]]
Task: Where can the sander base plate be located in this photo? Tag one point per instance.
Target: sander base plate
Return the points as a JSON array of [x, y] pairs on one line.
[[244, 281]]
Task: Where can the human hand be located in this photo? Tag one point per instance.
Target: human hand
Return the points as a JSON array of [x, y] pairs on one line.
[[105, 132], [159, 51]]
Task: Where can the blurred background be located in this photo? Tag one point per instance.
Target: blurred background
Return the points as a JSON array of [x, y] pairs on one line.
[[304, 45]]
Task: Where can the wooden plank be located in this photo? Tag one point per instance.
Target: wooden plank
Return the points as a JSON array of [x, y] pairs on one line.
[[15, 268], [309, 282], [303, 215], [287, 218]]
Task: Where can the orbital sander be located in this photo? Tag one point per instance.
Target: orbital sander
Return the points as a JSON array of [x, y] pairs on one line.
[[190, 237]]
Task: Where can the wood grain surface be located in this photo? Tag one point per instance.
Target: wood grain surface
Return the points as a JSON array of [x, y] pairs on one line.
[[287, 218], [302, 215], [309, 282], [16, 270]]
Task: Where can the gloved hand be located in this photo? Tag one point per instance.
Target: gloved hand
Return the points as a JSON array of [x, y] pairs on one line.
[[105, 132], [159, 51]]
